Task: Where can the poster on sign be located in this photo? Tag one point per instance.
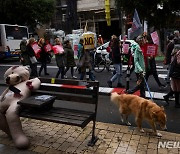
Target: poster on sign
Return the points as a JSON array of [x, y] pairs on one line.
[[48, 47], [125, 49], [155, 38], [151, 50], [36, 49], [58, 49], [89, 42]]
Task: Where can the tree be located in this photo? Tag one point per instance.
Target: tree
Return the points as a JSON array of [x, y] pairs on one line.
[[26, 12], [159, 18]]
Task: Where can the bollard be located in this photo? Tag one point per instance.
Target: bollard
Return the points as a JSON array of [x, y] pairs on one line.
[[87, 73], [127, 78]]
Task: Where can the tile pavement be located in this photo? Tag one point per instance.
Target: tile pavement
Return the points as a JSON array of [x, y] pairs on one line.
[[53, 138]]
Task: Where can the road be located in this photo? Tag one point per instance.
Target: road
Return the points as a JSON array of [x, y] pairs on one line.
[[108, 112]]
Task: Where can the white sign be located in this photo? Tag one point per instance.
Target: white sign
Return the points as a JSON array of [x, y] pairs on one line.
[[169, 144]]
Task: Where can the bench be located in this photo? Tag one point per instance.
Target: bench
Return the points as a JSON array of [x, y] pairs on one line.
[[65, 90]]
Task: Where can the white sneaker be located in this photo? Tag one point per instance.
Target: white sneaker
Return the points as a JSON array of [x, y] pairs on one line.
[[74, 77], [65, 77]]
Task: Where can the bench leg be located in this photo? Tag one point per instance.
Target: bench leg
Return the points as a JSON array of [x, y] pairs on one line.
[[94, 138]]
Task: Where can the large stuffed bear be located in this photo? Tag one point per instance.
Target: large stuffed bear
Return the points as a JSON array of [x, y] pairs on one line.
[[20, 87]]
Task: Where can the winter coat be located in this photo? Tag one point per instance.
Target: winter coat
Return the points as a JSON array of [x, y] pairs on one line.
[[138, 59], [43, 54], [70, 62], [85, 61], [175, 82]]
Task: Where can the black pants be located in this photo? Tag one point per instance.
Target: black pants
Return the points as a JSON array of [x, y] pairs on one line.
[[72, 70], [33, 70], [60, 71], [155, 75], [140, 87], [43, 66]]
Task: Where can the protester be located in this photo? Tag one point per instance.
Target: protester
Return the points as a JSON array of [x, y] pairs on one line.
[[150, 63], [33, 60], [100, 40], [24, 57], [116, 59], [60, 57], [70, 61], [84, 64], [80, 47], [168, 53], [174, 73], [139, 67], [43, 57]]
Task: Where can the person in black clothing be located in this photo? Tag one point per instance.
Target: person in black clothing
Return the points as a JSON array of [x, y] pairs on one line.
[[70, 62], [43, 57], [116, 59], [151, 70], [33, 63]]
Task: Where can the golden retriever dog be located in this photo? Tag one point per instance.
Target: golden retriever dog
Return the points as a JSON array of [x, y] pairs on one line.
[[142, 109]]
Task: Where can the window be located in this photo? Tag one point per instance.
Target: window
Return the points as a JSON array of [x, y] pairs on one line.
[[15, 32]]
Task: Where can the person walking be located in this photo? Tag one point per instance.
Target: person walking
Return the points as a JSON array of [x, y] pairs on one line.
[[139, 67], [33, 60], [43, 57], [174, 74], [24, 57], [60, 57], [70, 61], [84, 64], [116, 59]]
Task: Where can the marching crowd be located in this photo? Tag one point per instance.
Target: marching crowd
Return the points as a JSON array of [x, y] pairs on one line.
[[143, 65]]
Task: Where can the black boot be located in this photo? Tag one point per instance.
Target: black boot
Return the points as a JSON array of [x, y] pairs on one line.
[[177, 103], [166, 97]]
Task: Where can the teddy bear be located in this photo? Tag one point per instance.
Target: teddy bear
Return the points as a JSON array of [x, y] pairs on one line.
[[19, 87]]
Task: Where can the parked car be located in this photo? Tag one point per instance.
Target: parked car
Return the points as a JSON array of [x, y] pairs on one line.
[[126, 50]]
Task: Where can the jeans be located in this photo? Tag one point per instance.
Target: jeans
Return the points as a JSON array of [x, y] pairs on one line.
[[118, 74], [60, 71], [91, 75]]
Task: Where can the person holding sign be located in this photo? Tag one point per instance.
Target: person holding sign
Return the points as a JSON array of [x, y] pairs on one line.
[[31, 54], [43, 57], [150, 50], [60, 57]]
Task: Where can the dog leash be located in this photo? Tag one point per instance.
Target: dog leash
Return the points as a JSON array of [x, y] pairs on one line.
[[148, 88]]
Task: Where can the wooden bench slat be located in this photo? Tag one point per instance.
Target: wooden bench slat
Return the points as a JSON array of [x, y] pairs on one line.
[[74, 90], [54, 117], [68, 97], [75, 112], [70, 82]]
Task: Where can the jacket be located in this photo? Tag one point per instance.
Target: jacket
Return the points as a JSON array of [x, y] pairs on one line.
[[70, 62], [138, 59]]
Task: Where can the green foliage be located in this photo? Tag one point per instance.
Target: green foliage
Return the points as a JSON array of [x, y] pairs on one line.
[[26, 12], [147, 10]]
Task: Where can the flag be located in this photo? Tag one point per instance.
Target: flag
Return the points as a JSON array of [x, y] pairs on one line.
[[136, 28]]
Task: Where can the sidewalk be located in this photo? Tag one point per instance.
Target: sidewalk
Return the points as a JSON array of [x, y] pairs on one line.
[[53, 138]]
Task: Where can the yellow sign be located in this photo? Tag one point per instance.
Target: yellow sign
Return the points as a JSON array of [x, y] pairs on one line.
[[89, 41]]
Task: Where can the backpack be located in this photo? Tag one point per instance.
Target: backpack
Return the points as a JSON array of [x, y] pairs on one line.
[[23, 45]]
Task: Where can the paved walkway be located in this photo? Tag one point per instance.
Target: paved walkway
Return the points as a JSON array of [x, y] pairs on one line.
[[53, 138]]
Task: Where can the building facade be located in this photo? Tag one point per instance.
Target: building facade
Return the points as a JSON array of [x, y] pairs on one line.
[[74, 14]]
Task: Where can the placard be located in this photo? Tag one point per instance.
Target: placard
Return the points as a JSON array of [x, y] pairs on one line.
[[48, 47], [58, 49], [151, 50], [125, 49], [36, 49], [88, 41]]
